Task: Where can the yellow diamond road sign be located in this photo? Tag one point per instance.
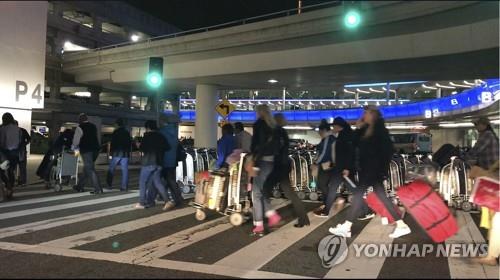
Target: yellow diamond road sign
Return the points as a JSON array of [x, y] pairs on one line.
[[224, 108]]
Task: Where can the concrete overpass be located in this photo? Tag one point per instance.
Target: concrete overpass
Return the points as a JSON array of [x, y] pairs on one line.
[[397, 40]]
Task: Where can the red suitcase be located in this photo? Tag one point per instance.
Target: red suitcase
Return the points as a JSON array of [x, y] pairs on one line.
[[486, 193], [378, 207], [429, 210]]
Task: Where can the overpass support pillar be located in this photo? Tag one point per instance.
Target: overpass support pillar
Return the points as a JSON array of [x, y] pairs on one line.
[[205, 131]]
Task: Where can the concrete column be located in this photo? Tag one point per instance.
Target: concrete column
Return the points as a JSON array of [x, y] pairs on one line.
[[205, 132], [54, 124], [356, 99], [55, 87], [97, 24], [438, 93]]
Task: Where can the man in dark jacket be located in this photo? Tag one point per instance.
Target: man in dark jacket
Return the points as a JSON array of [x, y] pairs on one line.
[[86, 144], [153, 147], [121, 144], [23, 155]]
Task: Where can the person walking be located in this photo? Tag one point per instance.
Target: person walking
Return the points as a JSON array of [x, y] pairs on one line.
[[120, 148], [343, 160], [23, 155], [10, 142], [86, 145], [243, 138], [153, 147], [325, 164], [263, 150], [169, 124], [485, 152], [281, 172], [376, 150], [225, 145]]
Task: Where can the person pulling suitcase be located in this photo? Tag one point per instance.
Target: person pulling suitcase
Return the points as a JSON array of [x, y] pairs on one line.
[[376, 150]]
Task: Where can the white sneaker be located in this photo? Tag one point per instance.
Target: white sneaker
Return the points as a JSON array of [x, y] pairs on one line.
[[139, 206], [385, 221], [341, 230], [400, 231]]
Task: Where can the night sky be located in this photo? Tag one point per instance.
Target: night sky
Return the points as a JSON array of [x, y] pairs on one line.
[[190, 14]]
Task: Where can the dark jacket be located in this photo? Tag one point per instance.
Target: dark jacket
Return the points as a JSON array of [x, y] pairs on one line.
[[375, 154], [89, 141], [262, 140], [121, 143], [324, 149], [63, 141], [344, 151], [170, 132], [282, 162], [153, 146]]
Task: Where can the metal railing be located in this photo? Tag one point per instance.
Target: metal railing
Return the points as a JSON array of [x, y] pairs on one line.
[[239, 22]]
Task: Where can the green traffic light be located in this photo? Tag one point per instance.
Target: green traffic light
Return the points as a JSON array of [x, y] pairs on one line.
[[154, 80], [352, 19]]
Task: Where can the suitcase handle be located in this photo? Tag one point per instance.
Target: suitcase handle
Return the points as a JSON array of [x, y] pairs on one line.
[[350, 182]]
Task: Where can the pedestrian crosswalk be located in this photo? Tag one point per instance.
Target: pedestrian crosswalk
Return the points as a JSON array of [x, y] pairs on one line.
[[108, 228]]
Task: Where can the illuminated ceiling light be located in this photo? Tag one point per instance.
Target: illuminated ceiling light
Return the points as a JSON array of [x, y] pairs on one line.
[[458, 85], [454, 125], [390, 103], [362, 91], [83, 94], [134, 37], [134, 97], [297, 127], [366, 103], [260, 103], [310, 103], [400, 102], [67, 44], [321, 103], [480, 81], [378, 103], [454, 92], [469, 83], [375, 90], [333, 103], [443, 86], [250, 103], [348, 91], [272, 81], [343, 103], [383, 84], [269, 102], [406, 127], [428, 87], [280, 103]]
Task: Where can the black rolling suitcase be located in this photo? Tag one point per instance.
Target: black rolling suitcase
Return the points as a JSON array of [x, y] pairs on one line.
[[443, 155]]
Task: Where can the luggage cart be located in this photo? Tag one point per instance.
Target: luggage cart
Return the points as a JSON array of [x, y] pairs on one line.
[[455, 185], [185, 174], [222, 193], [65, 170]]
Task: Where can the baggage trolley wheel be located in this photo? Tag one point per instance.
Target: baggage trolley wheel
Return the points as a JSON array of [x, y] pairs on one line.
[[200, 215], [314, 196], [466, 206], [349, 198], [58, 188], [301, 195], [236, 219], [186, 189], [276, 194]]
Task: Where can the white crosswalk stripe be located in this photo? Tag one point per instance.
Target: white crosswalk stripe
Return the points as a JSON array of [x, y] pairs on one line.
[[64, 206]]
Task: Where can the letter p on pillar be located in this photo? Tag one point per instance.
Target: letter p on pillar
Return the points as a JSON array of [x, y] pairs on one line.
[[21, 89]]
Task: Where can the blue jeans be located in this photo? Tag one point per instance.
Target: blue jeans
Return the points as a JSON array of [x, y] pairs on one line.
[[261, 203], [150, 181], [123, 161], [88, 159]]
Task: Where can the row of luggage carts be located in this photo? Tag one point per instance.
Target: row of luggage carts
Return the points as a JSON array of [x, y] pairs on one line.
[[451, 180], [197, 161]]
